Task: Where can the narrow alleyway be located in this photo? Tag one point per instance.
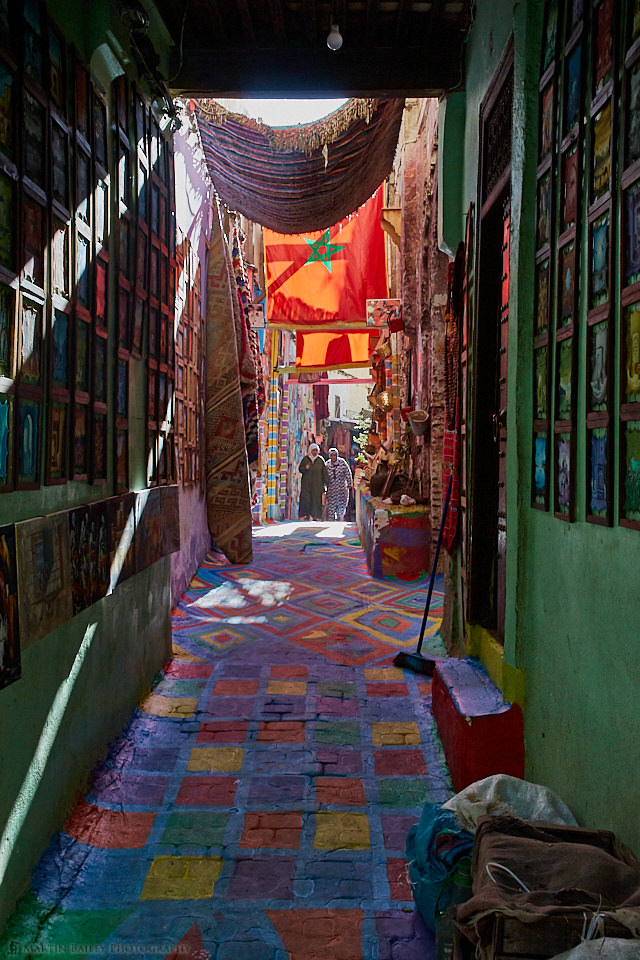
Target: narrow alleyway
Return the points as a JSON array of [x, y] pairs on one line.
[[257, 805]]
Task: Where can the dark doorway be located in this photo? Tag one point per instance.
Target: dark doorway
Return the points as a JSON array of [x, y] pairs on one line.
[[488, 518]]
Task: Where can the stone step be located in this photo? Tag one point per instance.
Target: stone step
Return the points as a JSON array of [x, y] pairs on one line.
[[481, 733]]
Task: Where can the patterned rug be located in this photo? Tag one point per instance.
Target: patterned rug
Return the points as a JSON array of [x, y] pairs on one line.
[[256, 806]]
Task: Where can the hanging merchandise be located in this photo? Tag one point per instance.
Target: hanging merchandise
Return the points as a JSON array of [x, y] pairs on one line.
[[324, 277], [228, 492], [451, 458]]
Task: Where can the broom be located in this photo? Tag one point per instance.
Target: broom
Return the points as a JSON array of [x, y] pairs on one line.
[[415, 661]]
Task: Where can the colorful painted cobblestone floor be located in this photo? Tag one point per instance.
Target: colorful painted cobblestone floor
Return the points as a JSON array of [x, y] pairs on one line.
[[257, 805]]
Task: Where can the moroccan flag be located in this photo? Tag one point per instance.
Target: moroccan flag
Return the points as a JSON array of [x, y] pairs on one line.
[[333, 351], [326, 277]]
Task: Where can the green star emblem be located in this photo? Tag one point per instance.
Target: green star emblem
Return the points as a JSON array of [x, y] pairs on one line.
[[322, 250]]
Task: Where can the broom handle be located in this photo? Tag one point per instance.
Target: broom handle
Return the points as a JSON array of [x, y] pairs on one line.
[[435, 563]]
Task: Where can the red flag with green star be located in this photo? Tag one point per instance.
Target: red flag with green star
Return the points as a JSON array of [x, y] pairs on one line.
[[324, 278]]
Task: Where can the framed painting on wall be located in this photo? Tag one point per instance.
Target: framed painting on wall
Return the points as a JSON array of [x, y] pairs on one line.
[[631, 235], [542, 298], [631, 352], [57, 70], [569, 188], [564, 498], [7, 325], [99, 460], [32, 242], [60, 165], [102, 212], [598, 366], [598, 492], [45, 600], [10, 668], [545, 138], [100, 369], [83, 339], [60, 258], [60, 353], [543, 228], [122, 459], [632, 140], [30, 349], [82, 270], [540, 471], [121, 514], [122, 389], [599, 261], [6, 441], [601, 151], [7, 218], [567, 284], [124, 301], [79, 558], [573, 90], [33, 141], [149, 528], [7, 122], [100, 555], [57, 445], [564, 379], [603, 45], [630, 472]]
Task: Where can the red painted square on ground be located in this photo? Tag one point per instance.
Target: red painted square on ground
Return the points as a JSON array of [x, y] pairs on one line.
[[281, 731], [289, 673], [399, 762], [387, 690], [398, 876], [109, 829], [187, 671], [223, 731], [274, 830], [231, 687], [206, 791], [340, 791]]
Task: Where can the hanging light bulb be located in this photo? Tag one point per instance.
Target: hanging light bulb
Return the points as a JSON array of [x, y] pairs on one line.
[[334, 37]]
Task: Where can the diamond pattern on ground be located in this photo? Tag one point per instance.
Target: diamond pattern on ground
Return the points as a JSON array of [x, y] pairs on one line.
[[341, 643]]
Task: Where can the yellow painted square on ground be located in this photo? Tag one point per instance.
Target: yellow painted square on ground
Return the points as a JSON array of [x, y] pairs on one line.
[[181, 878], [296, 687], [341, 831], [216, 758], [384, 674], [181, 707], [178, 653], [395, 733]]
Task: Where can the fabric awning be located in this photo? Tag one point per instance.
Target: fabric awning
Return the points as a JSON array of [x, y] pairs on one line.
[[298, 179]]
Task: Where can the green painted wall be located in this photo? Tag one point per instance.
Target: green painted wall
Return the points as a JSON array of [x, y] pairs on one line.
[[572, 589], [80, 683], [78, 687]]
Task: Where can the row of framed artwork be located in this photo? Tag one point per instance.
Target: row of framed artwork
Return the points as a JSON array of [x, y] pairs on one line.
[[589, 133], [53, 567]]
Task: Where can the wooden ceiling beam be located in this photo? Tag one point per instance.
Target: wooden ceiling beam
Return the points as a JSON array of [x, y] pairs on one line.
[[302, 72]]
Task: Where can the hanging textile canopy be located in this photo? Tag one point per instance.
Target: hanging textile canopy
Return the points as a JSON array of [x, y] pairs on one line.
[[303, 178]]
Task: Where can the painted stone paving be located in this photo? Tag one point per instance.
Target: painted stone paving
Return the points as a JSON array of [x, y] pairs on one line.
[[256, 806]]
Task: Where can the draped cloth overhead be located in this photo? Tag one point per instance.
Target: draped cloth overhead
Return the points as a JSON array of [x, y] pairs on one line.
[[334, 351], [300, 178], [228, 490]]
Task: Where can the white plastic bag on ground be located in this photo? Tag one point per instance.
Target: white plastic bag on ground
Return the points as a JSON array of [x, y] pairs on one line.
[[504, 794], [603, 949]]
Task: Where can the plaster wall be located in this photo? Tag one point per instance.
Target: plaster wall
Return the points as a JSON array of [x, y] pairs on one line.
[[572, 595], [79, 683], [78, 687]]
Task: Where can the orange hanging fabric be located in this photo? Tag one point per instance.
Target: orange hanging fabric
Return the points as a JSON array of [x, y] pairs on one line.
[[325, 277]]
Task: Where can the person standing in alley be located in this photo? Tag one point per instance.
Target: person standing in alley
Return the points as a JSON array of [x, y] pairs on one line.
[[313, 484], [340, 484]]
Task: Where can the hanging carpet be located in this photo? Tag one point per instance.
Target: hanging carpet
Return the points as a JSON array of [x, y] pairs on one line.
[[228, 492], [296, 179]]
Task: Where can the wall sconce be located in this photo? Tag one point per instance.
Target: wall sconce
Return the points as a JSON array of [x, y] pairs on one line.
[[334, 37]]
